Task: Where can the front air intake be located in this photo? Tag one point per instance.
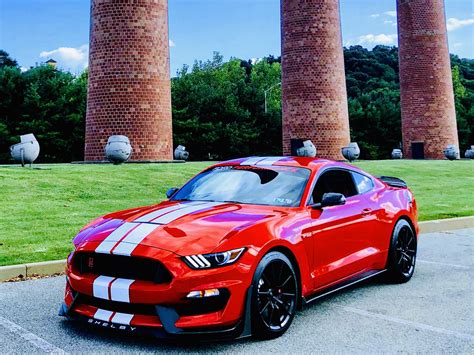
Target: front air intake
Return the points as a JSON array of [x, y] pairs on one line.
[[125, 267]]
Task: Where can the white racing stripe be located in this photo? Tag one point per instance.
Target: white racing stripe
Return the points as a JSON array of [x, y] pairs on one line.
[[100, 287], [269, 160], [108, 243], [102, 314], [120, 290], [135, 237], [126, 238], [172, 216], [122, 318], [153, 215], [252, 161]]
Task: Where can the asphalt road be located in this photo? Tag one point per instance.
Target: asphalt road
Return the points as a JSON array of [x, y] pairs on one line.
[[433, 313]]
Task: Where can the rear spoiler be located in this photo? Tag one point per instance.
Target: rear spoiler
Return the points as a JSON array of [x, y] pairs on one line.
[[393, 181]]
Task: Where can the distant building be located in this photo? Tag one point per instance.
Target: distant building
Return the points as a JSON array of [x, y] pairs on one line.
[[52, 63]]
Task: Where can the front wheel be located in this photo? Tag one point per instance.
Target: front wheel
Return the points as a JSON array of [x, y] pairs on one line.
[[275, 295], [402, 253]]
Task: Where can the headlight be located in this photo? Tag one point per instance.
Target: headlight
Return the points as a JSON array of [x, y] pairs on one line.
[[207, 261]]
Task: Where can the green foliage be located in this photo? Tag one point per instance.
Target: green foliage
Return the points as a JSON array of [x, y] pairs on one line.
[[6, 60], [218, 108], [48, 103]]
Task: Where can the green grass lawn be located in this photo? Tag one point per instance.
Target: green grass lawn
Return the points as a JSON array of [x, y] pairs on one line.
[[41, 210]]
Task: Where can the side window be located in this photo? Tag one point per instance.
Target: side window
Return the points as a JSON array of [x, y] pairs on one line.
[[364, 184], [339, 181]]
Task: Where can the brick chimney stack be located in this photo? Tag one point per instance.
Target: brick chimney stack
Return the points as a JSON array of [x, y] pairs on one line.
[[313, 78], [426, 88], [129, 80]]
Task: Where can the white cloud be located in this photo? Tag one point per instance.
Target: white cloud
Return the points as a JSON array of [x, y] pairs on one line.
[[457, 45], [388, 22], [385, 39], [172, 44], [69, 58], [455, 24], [391, 13], [375, 15], [23, 69]]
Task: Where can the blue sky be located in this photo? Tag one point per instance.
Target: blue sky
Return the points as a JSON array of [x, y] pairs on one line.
[[34, 30]]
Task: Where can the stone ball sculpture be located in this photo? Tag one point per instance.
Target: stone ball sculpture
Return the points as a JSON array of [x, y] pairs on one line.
[[470, 153], [26, 151], [397, 154], [180, 153], [118, 149], [351, 152], [307, 150], [451, 152]]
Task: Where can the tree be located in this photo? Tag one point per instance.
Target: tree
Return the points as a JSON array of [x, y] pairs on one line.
[[6, 60]]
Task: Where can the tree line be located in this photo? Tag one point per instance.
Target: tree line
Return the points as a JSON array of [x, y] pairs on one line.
[[219, 109]]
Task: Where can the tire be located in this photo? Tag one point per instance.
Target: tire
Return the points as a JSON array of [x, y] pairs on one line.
[[402, 253], [274, 297]]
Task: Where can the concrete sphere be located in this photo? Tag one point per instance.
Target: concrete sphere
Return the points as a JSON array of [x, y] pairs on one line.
[[470, 153], [180, 153], [397, 154], [118, 149], [26, 151], [451, 152], [307, 150], [351, 152]]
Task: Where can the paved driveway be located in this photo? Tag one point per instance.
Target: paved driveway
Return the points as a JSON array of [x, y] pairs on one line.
[[434, 312]]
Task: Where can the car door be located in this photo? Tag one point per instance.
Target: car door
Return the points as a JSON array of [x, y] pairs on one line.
[[342, 235]]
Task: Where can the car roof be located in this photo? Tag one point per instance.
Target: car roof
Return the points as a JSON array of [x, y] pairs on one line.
[[303, 162]]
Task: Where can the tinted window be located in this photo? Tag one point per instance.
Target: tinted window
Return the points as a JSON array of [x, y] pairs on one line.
[[339, 181], [274, 186], [364, 184]]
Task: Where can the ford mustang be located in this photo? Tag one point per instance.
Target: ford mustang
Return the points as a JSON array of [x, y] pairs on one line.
[[240, 248]]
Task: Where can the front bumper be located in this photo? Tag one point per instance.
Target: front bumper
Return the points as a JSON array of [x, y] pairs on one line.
[[166, 328], [156, 308]]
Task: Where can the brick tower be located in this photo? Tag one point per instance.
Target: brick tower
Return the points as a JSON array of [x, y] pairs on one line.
[[426, 88], [129, 81], [313, 78]]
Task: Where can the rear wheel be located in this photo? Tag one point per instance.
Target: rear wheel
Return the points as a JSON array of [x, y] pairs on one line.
[[402, 254], [275, 295]]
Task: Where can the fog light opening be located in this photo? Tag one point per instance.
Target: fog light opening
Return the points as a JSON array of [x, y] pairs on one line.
[[204, 293]]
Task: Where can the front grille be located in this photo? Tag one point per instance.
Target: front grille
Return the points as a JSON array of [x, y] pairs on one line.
[[188, 307], [114, 306], [125, 267]]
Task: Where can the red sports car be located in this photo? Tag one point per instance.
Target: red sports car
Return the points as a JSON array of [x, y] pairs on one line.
[[238, 248]]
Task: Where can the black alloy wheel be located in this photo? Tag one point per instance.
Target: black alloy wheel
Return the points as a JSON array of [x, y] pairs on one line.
[[402, 255], [275, 296]]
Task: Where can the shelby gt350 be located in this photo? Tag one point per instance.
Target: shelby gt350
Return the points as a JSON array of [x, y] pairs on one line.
[[240, 247]]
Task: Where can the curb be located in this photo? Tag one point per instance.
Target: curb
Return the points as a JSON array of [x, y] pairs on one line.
[[53, 267], [441, 225], [44, 268]]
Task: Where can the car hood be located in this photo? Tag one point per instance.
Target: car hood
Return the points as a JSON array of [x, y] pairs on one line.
[[184, 228]]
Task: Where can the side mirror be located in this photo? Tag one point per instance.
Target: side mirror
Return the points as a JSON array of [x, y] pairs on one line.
[[171, 192], [330, 199]]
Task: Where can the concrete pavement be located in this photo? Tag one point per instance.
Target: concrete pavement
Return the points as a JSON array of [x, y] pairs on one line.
[[433, 313]]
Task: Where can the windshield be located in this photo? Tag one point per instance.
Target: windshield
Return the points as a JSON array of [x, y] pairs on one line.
[[273, 185]]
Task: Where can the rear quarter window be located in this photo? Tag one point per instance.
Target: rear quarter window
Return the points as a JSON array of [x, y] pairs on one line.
[[363, 183]]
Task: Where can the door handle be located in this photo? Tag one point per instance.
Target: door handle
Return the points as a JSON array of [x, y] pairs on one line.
[[366, 211]]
